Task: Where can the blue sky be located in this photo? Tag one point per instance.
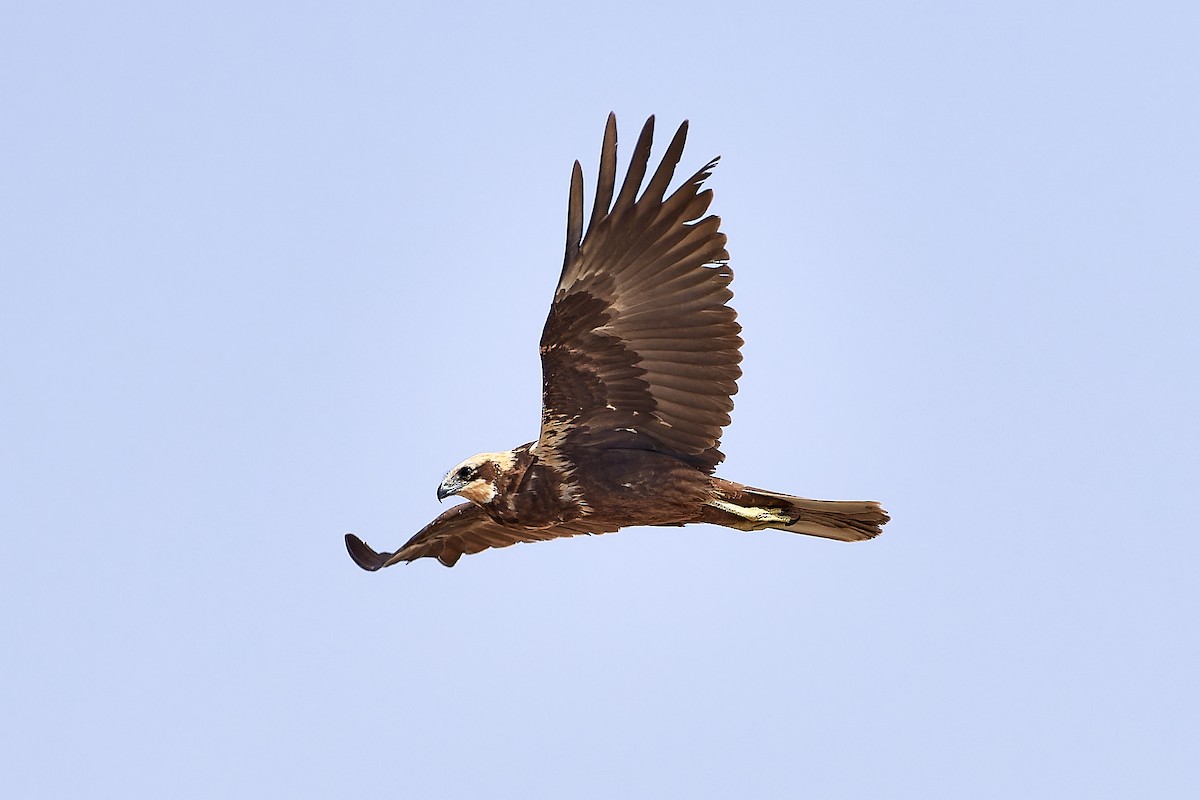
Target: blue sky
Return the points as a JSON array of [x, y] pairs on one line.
[[268, 270]]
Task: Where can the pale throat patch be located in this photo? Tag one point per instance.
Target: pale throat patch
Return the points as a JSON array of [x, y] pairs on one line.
[[478, 491]]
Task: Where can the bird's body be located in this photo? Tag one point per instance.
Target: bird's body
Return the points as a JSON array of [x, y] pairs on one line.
[[640, 357]]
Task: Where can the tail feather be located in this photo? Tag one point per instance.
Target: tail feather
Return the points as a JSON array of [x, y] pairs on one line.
[[735, 505]]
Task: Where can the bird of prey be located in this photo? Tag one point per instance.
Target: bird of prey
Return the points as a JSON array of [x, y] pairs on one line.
[[639, 363]]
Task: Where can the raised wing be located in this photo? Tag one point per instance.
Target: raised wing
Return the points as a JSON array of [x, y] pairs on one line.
[[640, 349], [462, 530]]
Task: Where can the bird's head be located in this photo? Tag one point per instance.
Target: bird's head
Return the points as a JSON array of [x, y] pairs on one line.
[[476, 478]]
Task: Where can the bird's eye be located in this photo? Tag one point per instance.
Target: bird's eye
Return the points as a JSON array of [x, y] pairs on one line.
[[463, 472]]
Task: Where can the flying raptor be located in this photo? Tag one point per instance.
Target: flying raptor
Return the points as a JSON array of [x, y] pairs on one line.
[[639, 363]]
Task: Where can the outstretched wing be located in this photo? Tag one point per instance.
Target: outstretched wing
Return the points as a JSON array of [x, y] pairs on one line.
[[640, 349], [462, 530]]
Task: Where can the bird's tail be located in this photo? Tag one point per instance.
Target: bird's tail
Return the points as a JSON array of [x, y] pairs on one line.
[[735, 505]]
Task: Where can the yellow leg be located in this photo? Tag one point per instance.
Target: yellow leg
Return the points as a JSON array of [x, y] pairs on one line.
[[759, 516]]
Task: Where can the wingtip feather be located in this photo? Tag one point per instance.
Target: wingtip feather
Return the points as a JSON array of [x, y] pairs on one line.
[[364, 556]]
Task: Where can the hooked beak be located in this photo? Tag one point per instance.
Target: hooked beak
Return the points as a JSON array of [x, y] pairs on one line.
[[449, 487]]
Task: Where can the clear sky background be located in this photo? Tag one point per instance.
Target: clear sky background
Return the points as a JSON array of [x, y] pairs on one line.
[[268, 270]]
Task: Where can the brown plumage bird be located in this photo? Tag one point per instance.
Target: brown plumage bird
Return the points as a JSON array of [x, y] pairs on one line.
[[639, 362]]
